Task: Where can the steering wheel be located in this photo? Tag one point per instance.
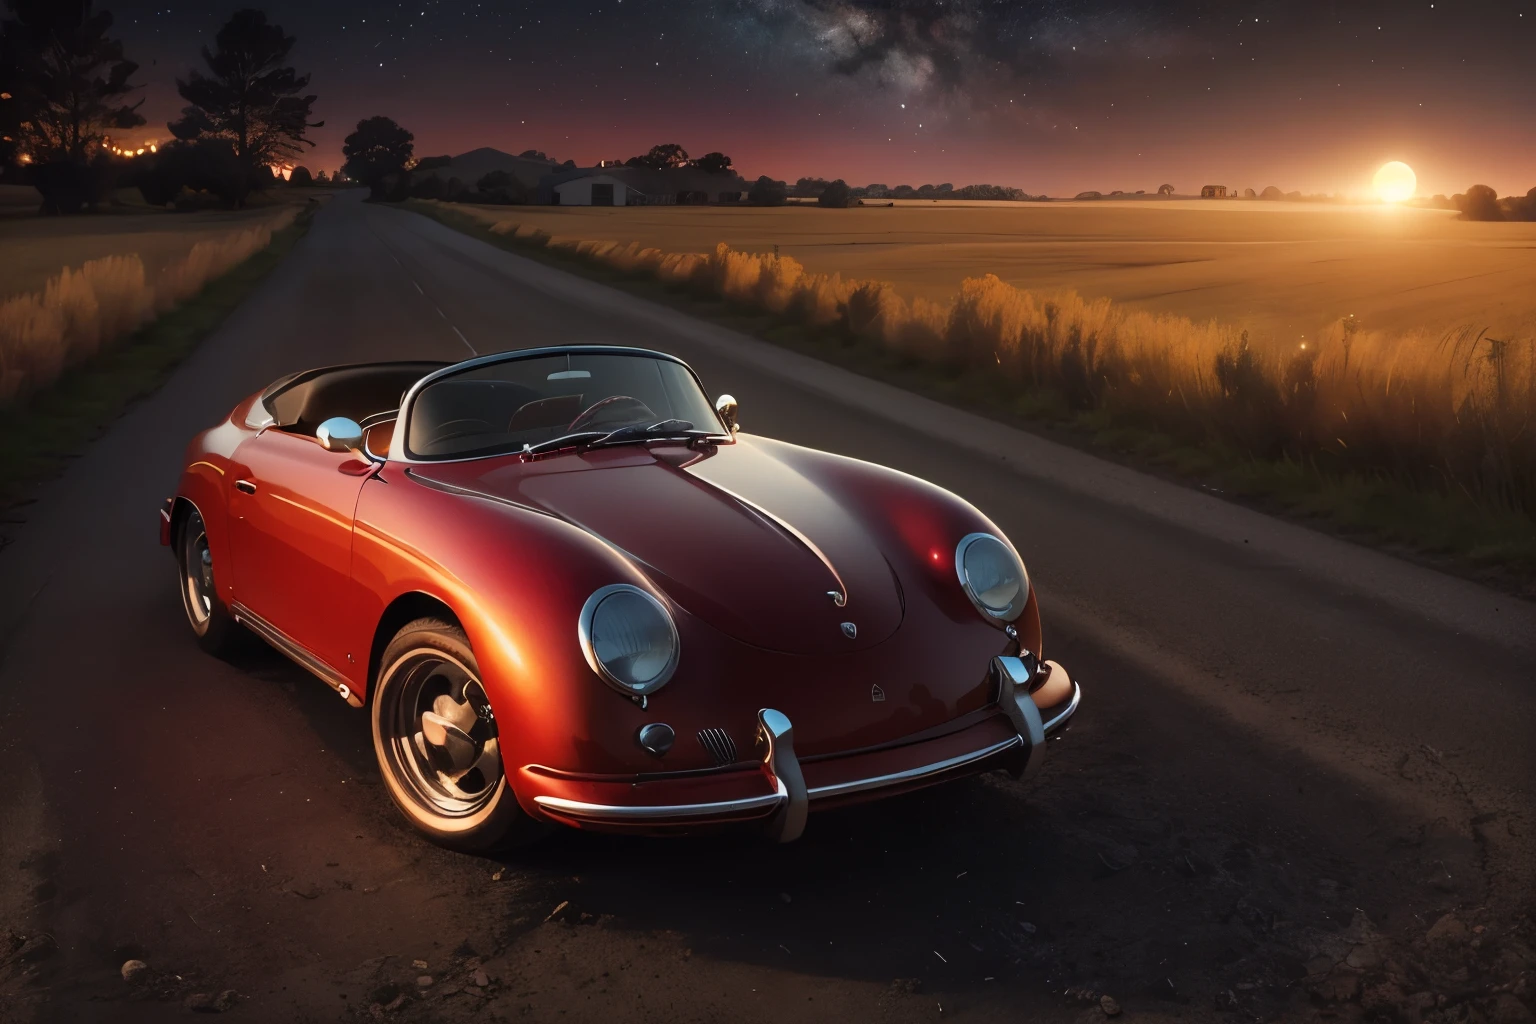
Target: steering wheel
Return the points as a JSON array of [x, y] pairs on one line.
[[615, 411], [453, 429]]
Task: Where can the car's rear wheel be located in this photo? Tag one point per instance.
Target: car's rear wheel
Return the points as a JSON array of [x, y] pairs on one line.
[[438, 744], [215, 628]]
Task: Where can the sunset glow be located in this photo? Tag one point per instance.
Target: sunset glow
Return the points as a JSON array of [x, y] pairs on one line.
[[1395, 182]]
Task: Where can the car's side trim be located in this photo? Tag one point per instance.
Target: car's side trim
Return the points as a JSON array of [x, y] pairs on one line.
[[295, 651]]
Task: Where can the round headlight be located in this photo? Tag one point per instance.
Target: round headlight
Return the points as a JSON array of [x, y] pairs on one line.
[[992, 577], [628, 638]]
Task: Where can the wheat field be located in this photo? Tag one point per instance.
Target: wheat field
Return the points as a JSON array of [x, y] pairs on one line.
[[112, 281], [1445, 408], [1280, 269]]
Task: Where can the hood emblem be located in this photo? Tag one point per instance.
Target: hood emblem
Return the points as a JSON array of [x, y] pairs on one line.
[[876, 694], [850, 630]]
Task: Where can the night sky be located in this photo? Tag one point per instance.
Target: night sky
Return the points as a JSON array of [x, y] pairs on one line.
[[1057, 97]]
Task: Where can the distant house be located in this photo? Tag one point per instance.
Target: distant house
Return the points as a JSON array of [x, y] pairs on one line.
[[635, 186], [591, 190], [1213, 192]]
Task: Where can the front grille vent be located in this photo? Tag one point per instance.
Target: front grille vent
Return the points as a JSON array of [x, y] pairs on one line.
[[719, 745]]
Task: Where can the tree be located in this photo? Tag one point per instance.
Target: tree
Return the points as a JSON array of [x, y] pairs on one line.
[[1165, 190], [251, 96], [377, 149], [660, 157], [1480, 203], [321, 179], [766, 192], [431, 163], [501, 187], [71, 81], [533, 154], [207, 165], [68, 84], [836, 194], [809, 188], [713, 163], [300, 177]]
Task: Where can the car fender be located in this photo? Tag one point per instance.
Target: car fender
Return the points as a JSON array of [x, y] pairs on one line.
[[516, 580]]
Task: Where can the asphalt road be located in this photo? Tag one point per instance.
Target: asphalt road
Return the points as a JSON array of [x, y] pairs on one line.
[[1295, 755]]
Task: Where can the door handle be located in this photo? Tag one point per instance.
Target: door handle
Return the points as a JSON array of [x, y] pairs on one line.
[[248, 486]]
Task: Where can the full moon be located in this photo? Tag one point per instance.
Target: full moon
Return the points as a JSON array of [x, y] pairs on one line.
[[1395, 182]]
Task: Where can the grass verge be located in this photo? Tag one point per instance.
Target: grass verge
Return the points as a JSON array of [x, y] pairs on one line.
[[54, 425], [1450, 529]]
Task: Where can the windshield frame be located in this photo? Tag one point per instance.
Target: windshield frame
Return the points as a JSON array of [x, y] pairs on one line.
[[398, 452]]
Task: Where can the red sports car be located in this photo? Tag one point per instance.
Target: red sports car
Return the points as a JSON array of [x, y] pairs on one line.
[[571, 591]]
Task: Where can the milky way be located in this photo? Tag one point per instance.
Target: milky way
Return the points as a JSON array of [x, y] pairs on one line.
[[1051, 97]]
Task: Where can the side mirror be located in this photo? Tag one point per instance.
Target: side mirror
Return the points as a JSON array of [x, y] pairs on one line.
[[339, 434], [725, 405]]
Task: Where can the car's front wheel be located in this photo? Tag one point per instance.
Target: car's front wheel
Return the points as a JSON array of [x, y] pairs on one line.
[[438, 745], [216, 630]]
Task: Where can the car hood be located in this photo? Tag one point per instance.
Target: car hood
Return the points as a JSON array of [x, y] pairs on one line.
[[734, 536]]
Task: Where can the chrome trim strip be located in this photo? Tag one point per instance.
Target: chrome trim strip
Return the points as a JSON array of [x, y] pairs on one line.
[[913, 774], [402, 428], [618, 812], [793, 822], [295, 652]]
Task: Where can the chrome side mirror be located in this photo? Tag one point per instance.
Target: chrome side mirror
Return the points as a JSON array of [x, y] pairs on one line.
[[725, 405], [339, 434]]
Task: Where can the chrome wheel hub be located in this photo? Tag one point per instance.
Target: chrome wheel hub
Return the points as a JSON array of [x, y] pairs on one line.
[[443, 741]]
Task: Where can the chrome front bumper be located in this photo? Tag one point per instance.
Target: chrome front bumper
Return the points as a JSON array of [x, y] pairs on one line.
[[785, 808]]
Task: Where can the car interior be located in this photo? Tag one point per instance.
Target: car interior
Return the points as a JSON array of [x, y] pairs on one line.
[[370, 394]]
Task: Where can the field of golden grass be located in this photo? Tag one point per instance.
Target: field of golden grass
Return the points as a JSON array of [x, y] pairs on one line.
[[1277, 269], [1444, 409], [72, 285]]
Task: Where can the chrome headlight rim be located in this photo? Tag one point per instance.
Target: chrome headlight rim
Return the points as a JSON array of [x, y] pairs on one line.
[[584, 634], [1011, 614]]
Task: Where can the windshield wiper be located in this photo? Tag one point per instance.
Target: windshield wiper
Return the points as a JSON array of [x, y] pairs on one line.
[[566, 441], [635, 433], [666, 430]]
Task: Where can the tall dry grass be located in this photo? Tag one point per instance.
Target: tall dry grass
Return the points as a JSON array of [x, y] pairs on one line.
[[1452, 413], [83, 309]]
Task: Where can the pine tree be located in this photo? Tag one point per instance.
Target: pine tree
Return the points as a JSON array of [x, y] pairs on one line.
[[251, 96]]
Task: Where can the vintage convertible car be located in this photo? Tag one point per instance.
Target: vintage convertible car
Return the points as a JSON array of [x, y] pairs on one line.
[[571, 591]]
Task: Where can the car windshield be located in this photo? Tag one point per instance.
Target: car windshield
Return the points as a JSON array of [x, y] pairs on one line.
[[505, 406]]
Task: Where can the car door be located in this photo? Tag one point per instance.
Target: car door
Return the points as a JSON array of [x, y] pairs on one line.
[[291, 512]]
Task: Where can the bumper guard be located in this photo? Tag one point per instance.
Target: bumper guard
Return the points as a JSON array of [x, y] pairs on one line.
[[784, 810]]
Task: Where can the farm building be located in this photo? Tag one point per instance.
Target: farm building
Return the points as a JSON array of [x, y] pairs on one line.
[[1213, 192], [633, 186], [591, 190]]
